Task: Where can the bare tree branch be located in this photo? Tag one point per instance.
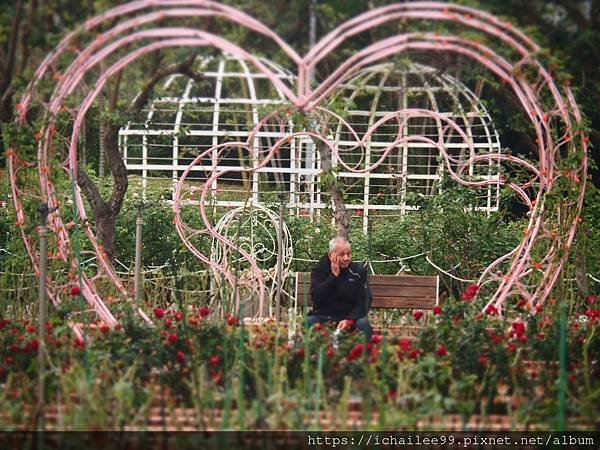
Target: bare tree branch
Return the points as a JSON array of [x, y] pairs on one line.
[[184, 67]]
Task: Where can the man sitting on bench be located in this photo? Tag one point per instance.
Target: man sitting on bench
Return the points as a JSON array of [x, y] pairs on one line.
[[339, 290]]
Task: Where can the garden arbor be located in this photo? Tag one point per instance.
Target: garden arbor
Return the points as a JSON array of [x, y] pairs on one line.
[[104, 46]]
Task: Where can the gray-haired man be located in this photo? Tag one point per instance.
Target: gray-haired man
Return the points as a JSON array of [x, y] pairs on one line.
[[339, 290]]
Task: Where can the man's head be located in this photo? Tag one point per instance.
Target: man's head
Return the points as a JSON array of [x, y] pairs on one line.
[[341, 247]]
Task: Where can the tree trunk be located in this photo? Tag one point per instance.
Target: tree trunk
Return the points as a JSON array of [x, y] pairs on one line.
[[332, 185], [106, 231]]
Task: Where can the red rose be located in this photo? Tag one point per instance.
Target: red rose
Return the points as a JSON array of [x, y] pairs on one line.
[[511, 347], [9, 360], [159, 313], [31, 329], [376, 339], [181, 357], [470, 293], [172, 338], [591, 299], [301, 353], [483, 360], [75, 290], [437, 310], [418, 315], [104, 328], [168, 323], [215, 360], [232, 321], [539, 308], [522, 303], [179, 316], [592, 313], [356, 352], [491, 310], [33, 345], [204, 311], [415, 353], [442, 350], [405, 344], [518, 328]]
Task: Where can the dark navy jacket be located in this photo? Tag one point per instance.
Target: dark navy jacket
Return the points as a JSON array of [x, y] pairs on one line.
[[342, 297]]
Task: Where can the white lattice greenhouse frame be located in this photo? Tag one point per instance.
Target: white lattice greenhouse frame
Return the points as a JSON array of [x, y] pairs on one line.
[[238, 96]]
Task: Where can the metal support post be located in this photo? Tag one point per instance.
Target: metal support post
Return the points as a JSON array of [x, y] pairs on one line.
[[139, 222], [43, 210]]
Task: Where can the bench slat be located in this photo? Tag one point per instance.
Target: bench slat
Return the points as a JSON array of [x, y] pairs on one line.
[[403, 302], [403, 291], [402, 280]]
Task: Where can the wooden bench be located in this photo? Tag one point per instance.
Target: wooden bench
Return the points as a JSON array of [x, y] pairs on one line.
[[389, 291]]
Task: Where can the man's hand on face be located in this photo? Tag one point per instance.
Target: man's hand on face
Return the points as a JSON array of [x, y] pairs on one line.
[[335, 263]]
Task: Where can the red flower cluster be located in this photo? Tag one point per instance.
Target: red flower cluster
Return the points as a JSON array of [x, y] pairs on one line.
[[470, 293], [437, 310], [418, 315], [406, 348], [376, 339], [357, 351], [442, 351], [233, 321], [79, 343], [172, 338], [518, 330], [593, 314], [159, 313], [204, 311], [370, 350], [491, 310]]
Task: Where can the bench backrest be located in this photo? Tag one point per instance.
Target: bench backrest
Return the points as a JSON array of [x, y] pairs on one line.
[[389, 291]]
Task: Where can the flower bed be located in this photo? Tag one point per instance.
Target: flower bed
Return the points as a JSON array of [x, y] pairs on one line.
[[463, 369]]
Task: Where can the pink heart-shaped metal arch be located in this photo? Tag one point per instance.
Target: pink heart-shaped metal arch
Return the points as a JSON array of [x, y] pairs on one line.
[[564, 112]]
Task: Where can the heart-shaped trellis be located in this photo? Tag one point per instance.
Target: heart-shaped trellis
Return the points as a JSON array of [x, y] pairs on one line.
[[554, 115]]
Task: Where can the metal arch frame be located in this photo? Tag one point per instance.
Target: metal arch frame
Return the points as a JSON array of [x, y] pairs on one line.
[[564, 111], [442, 83]]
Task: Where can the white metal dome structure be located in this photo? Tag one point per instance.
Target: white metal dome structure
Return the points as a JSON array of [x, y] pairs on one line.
[[232, 99], [224, 106]]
